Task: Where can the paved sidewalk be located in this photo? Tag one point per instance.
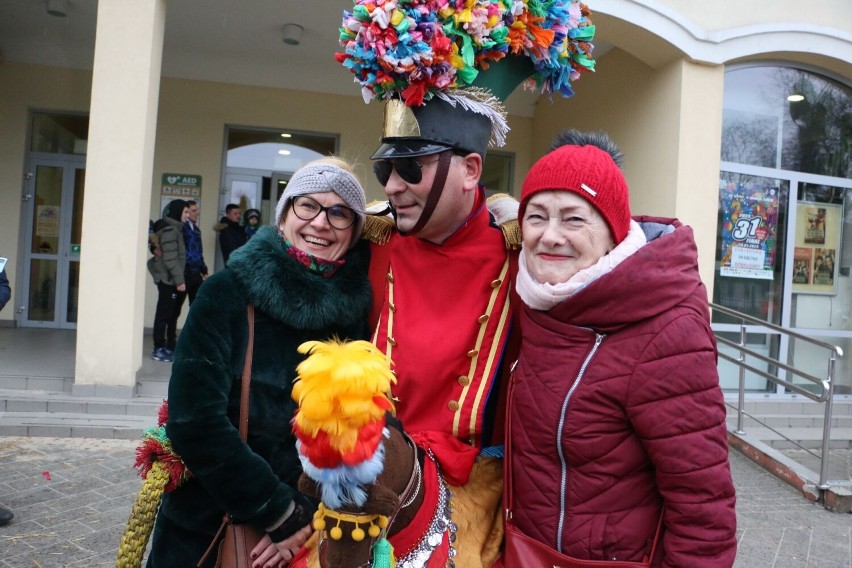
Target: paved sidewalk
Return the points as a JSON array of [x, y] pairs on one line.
[[72, 497]]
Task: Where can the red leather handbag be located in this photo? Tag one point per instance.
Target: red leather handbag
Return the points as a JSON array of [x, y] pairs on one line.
[[522, 551]]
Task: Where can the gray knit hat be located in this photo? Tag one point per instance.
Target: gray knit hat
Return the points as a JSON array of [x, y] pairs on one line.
[[321, 177]]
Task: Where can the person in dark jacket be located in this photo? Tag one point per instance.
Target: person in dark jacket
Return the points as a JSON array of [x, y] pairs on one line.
[[616, 416], [307, 278], [251, 222], [168, 270], [196, 269], [5, 294], [5, 289], [231, 234]]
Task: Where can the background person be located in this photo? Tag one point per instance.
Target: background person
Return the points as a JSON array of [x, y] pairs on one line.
[[196, 268], [5, 295], [168, 270], [251, 222], [618, 367], [231, 234], [307, 278]]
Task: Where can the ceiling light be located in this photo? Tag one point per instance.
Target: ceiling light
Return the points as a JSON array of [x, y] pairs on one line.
[[292, 34], [57, 8], [796, 98], [284, 152], [285, 135]]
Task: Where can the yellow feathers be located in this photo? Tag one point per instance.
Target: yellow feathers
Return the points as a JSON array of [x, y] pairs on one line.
[[341, 387]]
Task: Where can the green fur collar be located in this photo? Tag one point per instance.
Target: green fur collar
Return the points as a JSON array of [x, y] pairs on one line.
[[288, 292]]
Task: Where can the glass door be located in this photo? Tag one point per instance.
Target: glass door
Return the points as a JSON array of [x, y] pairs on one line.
[[53, 212]]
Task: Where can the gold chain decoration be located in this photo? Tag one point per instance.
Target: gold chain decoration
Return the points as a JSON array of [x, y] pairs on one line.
[[376, 522], [141, 521]]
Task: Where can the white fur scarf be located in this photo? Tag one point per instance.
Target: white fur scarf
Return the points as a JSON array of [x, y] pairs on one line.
[[543, 296]]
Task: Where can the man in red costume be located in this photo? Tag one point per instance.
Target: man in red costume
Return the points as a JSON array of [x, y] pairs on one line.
[[443, 300]]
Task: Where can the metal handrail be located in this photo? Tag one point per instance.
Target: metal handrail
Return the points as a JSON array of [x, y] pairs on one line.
[[825, 395]]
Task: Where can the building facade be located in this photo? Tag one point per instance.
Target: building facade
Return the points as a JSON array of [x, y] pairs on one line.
[[108, 112]]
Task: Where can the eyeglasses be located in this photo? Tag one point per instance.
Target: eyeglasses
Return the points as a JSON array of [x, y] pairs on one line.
[[409, 169], [339, 216]]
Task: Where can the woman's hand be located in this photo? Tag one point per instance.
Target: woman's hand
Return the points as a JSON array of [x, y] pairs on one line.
[[267, 555], [289, 547]]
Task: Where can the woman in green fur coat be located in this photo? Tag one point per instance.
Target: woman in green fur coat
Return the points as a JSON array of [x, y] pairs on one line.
[[307, 278]]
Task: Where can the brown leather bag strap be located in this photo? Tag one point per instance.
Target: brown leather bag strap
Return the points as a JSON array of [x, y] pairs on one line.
[[243, 423], [246, 380]]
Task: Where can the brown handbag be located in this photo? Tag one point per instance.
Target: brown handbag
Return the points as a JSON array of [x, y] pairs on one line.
[[522, 550], [236, 541]]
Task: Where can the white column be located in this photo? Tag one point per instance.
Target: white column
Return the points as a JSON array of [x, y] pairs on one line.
[[699, 149], [119, 166]]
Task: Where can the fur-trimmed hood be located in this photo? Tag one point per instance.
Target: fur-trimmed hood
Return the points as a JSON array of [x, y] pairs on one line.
[[287, 291]]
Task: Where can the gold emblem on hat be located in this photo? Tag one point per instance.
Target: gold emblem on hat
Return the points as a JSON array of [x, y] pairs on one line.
[[399, 121]]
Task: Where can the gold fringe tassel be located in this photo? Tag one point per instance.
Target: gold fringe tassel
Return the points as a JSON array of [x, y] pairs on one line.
[[141, 521], [378, 229], [512, 234]]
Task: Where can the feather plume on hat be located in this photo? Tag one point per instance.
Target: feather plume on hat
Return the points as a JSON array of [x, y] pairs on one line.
[[343, 392]]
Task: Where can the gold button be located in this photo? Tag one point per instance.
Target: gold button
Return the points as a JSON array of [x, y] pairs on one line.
[[392, 307], [494, 283], [390, 278], [391, 341], [453, 405], [464, 381], [472, 353], [483, 318]]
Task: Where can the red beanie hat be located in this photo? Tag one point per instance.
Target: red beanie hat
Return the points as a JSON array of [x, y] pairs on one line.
[[589, 172]]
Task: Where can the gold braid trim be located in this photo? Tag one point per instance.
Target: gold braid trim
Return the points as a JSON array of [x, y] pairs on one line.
[[512, 234], [378, 229], [141, 521]]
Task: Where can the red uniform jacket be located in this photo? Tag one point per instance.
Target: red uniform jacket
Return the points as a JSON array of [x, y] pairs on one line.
[[444, 319]]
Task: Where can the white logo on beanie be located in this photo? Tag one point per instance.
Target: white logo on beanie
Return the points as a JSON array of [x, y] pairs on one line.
[[588, 190]]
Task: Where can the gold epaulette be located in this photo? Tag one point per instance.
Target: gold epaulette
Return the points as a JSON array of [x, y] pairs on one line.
[[512, 234], [378, 228], [510, 227]]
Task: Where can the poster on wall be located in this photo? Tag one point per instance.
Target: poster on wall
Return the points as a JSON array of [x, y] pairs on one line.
[[180, 186], [749, 231], [818, 233]]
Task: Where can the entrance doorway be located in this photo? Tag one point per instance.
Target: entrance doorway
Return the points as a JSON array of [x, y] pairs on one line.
[[53, 210]]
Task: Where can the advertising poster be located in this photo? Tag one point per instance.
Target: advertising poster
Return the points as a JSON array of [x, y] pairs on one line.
[[818, 228], [749, 231]]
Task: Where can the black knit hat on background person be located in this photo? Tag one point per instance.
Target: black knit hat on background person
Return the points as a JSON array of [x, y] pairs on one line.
[[174, 210]]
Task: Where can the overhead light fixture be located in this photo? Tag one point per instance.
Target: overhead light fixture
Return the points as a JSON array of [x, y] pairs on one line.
[[795, 98], [58, 8], [292, 34], [285, 135]]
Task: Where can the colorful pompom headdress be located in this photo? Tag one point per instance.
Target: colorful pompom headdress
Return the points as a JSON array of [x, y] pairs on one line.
[[343, 392], [429, 53]]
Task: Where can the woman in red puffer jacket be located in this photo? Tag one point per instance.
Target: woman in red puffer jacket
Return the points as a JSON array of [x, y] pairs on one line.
[[616, 417]]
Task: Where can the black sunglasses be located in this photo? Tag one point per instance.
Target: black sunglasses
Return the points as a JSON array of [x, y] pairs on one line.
[[409, 169]]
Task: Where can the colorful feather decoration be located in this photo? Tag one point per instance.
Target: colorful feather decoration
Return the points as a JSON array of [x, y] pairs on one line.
[[343, 392], [416, 48]]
